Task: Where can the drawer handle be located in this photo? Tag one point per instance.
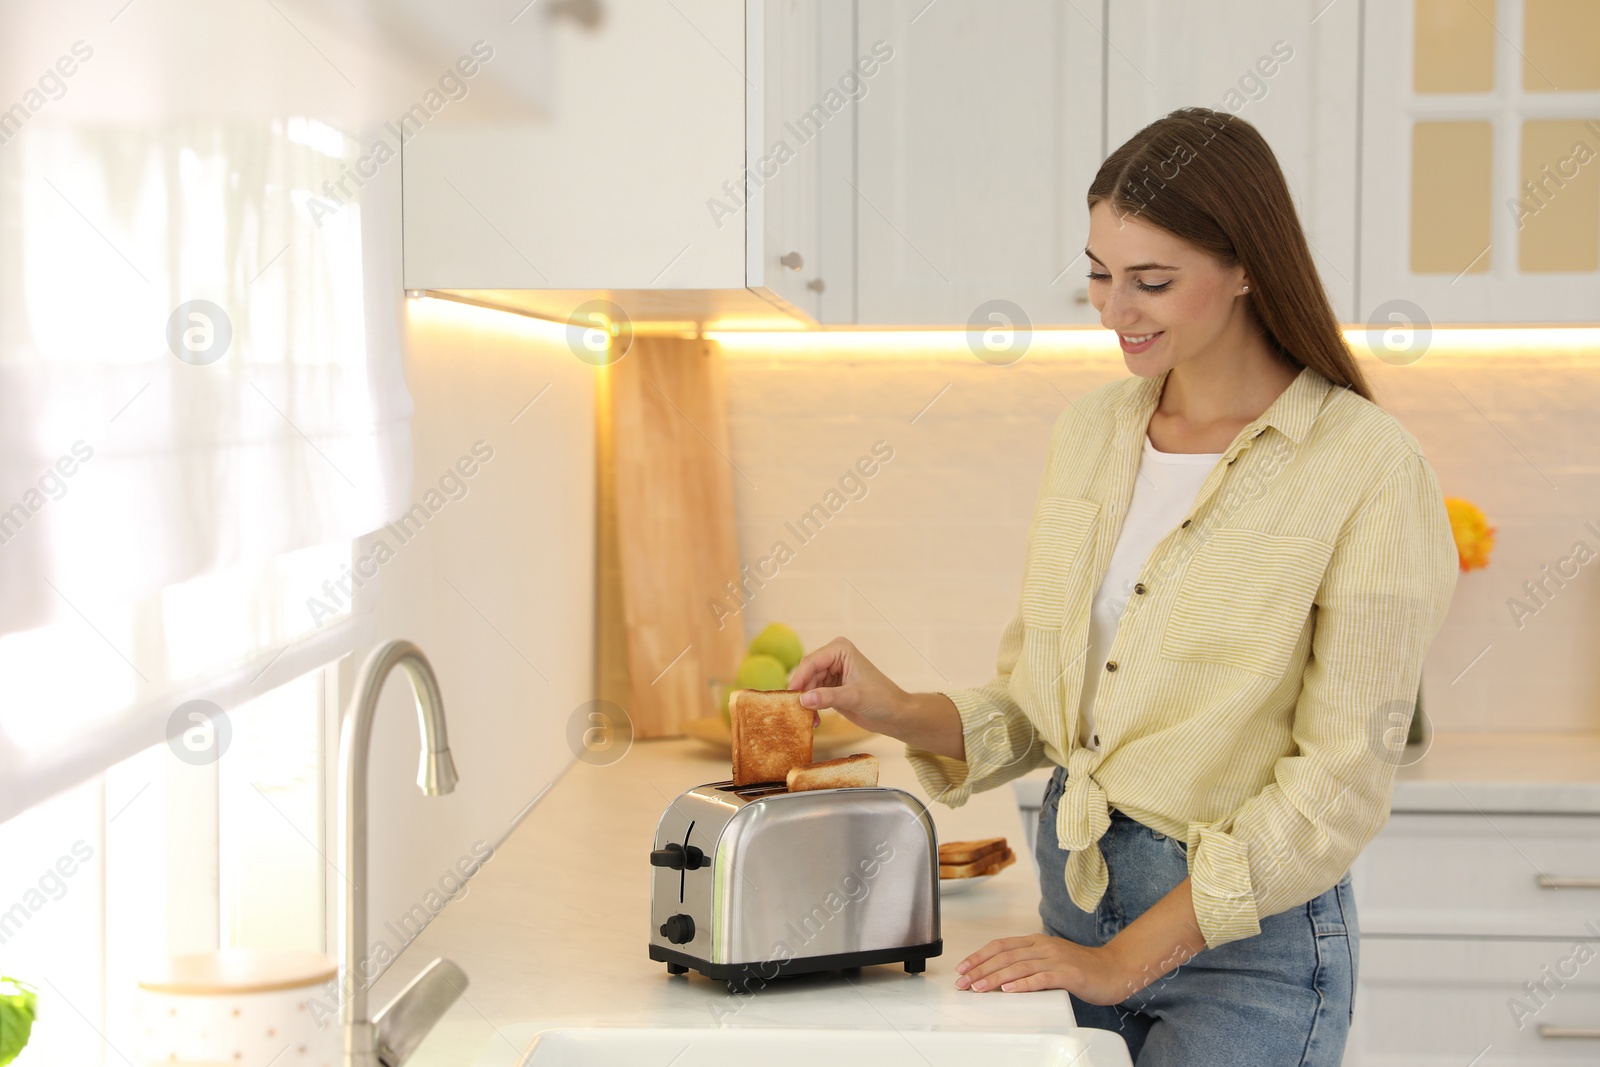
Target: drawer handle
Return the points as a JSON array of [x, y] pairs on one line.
[[1547, 1030], [1557, 881]]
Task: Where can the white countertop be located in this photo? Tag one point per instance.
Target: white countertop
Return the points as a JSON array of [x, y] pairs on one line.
[[553, 931], [1532, 773]]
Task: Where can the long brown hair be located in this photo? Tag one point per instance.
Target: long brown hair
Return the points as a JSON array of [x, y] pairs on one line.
[[1210, 178]]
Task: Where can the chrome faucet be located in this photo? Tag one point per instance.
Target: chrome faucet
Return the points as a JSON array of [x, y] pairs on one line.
[[390, 1037]]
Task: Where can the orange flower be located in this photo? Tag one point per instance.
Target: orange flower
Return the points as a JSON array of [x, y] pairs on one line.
[[1474, 536]]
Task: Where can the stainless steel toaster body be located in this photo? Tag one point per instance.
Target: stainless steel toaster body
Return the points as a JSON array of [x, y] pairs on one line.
[[754, 882]]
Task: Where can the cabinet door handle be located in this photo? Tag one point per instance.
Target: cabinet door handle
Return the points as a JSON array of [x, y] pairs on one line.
[[1557, 881], [792, 260], [1547, 1030], [816, 285]]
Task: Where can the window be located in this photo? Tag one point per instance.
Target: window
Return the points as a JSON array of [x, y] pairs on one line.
[[172, 516], [276, 852], [163, 855]]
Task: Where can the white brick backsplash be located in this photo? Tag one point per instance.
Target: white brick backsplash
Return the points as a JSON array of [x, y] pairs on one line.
[[965, 652], [960, 546], [802, 600], [854, 548], [935, 548]]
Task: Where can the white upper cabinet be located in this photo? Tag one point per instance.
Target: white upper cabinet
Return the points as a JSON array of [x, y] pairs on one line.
[[633, 182], [976, 144], [1480, 194], [801, 144], [781, 243], [1288, 68], [917, 163]]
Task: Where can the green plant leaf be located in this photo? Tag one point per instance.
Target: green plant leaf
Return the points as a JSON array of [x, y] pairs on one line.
[[18, 1008]]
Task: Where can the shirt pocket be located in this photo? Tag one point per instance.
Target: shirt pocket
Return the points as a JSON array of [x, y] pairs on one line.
[[1055, 547], [1244, 600]]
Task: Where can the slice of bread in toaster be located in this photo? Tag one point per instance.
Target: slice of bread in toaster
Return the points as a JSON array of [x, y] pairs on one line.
[[846, 772], [771, 733], [957, 852], [990, 864]]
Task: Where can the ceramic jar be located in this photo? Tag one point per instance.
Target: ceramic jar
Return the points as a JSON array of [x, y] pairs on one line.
[[240, 1006]]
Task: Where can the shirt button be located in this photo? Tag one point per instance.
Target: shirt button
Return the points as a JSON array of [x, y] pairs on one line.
[[1138, 587], [1111, 665], [1095, 740], [1185, 523]]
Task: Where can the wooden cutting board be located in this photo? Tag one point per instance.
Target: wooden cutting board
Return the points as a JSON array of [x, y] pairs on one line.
[[668, 544]]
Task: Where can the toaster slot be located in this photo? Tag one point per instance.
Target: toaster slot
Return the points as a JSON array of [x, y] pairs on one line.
[[683, 872], [754, 789], [761, 789]]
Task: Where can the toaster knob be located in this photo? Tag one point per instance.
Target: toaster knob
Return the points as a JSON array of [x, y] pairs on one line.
[[678, 858], [678, 929]]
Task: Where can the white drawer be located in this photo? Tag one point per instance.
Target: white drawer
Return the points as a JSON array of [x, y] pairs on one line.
[[1442, 1003], [1455, 874]]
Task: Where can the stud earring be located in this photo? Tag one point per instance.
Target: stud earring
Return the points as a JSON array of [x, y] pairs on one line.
[[1247, 288]]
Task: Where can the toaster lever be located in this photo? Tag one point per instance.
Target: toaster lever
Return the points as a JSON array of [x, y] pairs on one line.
[[678, 857]]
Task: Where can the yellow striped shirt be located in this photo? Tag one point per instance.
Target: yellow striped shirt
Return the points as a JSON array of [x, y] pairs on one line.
[[1258, 688]]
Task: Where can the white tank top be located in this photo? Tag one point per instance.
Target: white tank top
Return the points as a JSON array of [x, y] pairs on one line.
[[1163, 492]]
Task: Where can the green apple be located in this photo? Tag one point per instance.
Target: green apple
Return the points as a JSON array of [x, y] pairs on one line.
[[781, 643]]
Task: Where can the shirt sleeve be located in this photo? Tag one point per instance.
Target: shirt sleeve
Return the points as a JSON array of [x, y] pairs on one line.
[[1383, 598]]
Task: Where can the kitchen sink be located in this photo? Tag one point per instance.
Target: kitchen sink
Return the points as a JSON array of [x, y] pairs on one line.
[[792, 1047]]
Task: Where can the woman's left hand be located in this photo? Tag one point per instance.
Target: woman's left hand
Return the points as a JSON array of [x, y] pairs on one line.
[[1038, 961]]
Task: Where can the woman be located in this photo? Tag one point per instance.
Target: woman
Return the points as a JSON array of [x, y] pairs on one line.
[[1236, 564]]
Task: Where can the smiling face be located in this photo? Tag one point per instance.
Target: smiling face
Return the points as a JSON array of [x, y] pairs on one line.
[[1168, 300]]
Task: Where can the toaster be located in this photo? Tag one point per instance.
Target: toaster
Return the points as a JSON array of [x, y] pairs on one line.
[[749, 883]]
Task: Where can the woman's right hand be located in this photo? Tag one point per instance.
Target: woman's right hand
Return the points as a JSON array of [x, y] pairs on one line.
[[838, 676]]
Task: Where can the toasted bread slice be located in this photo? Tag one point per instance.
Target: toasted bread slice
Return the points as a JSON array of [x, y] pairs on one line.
[[846, 772], [1003, 862], [956, 852], [990, 864], [771, 733]]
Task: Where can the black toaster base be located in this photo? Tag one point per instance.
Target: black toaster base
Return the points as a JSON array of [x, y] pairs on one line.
[[748, 977]]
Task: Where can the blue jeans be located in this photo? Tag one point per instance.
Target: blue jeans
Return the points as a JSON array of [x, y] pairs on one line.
[[1282, 997]]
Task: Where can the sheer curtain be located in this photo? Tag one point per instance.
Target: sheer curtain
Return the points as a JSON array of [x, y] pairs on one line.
[[201, 404]]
